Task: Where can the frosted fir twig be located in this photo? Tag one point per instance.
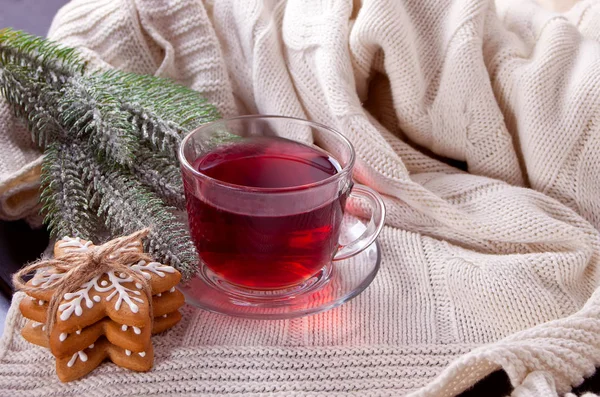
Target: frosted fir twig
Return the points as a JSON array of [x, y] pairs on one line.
[[24, 93], [127, 206], [134, 121], [161, 176], [96, 115], [54, 61], [64, 195]]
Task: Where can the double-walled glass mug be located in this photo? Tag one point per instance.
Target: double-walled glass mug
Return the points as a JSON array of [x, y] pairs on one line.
[[265, 200]]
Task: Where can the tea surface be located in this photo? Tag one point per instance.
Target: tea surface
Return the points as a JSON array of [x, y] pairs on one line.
[[266, 252]]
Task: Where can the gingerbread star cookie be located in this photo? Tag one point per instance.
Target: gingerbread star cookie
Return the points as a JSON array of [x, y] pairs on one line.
[[107, 317], [130, 338], [111, 294], [162, 303], [86, 360]]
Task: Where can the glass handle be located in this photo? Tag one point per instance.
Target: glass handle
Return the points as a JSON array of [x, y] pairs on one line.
[[373, 227]]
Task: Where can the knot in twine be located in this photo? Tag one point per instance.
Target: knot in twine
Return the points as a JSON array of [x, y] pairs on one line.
[[80, 267]]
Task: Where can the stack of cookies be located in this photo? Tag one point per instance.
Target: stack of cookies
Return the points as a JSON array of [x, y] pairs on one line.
[[108, 317]]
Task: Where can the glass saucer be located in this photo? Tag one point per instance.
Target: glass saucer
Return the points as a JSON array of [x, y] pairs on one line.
[[336, 284]]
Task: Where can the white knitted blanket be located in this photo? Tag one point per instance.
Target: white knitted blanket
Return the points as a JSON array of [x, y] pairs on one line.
[[494, 268]]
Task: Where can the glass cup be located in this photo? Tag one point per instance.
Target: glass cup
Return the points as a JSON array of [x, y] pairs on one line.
[[278, 241]]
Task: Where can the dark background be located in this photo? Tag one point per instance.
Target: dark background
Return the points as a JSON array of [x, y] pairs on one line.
[[33, 16], [20, 244]]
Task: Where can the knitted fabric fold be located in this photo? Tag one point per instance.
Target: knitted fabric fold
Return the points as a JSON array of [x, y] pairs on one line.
[[480, 127]]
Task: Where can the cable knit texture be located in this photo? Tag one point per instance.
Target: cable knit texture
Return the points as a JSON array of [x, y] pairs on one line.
[[486, 269]]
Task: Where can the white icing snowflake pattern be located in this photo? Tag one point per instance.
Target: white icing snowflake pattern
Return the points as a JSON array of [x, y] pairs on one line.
[[74, 300], [121, 291], [74, 244], [115, 284], [81, 355], [136, 330], [45, 277], [152, 267]]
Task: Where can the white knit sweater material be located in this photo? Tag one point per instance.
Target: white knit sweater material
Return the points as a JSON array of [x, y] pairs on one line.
[[494, 268]]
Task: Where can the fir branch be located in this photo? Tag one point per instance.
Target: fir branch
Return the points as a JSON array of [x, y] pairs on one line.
[[113, 109], [54, 60], [160, 175], [64, 196], [42, 69], [111, 142], [96, 114], [174, 102], [162, 112], [70, 109], [33, 101], [127, 206]]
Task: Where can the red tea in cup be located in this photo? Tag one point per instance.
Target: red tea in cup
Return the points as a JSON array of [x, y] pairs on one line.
[[250, 248], [265, 209]]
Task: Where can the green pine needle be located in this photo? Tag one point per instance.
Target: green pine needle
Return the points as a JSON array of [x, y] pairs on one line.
[[24, 93], [126, 206], [161, 111], [161, 176], [110, 140], [23, 49], [97, 115], [64, 196]]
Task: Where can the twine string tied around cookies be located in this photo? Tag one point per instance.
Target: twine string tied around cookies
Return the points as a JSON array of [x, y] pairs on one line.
[[79, 268]]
